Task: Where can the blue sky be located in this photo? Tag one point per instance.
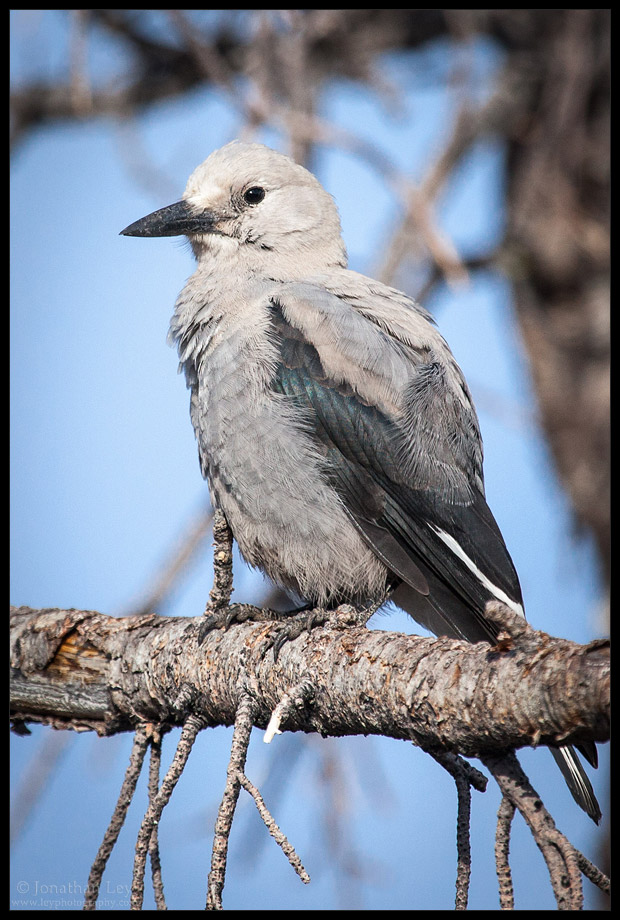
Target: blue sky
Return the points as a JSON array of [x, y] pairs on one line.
[[105, 479]]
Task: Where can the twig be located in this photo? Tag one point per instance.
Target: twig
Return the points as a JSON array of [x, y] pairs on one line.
[[274, 830], [154, 768], [294, 79], [593, 873], [35, 779], [505, 815], [294, 699], [463, 846], [468, 125], [558, 852], [128, 788], [453, 763], [205, 54], [464, 777], [170, 569], [191, 728], [80, 91], [223, 824]]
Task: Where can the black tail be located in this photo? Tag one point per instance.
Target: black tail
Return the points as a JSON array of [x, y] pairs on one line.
[[577, 780]]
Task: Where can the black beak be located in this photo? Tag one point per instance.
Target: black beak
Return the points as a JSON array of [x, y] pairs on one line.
[[176, 219]]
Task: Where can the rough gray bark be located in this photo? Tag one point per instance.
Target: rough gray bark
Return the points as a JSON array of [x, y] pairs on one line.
[[79, 669]]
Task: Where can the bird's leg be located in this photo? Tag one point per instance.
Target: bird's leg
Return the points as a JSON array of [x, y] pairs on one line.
[[220, 613], [222, 589]]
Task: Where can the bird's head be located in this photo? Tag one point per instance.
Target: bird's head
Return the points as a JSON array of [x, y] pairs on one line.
[[254, 201]]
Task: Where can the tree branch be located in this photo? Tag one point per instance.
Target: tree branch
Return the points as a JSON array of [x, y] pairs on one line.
[[117, 820], [82, 670], [145, 842], [236, 765], [505, 815], [561, 857]]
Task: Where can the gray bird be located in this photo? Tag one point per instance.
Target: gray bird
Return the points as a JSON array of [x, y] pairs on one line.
[[334, 426]]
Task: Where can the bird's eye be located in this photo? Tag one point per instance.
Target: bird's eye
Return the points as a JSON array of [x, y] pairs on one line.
[[254, 195]]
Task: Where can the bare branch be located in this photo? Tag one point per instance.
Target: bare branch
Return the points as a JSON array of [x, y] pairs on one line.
[[79, 83], [125, 797], [442, 693], [563, 860], [464, 777], [191, 728], [274, 830], [463, 872], [171, 569], [505, 815], [241, 738], [593, 873], [160, 69], [235, 779], [154, 767]]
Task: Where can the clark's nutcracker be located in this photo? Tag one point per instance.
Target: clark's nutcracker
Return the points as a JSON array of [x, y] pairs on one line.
[[334, 427]]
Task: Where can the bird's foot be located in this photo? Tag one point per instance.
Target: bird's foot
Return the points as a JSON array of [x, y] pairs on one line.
[[288, 625], [223, 617], [305, 620], [297, 622]]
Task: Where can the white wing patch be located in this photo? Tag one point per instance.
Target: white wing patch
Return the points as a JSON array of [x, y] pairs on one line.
[[458, 550]]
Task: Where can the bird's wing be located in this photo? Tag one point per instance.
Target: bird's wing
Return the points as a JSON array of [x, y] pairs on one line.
[[402, 450], [409, 474]]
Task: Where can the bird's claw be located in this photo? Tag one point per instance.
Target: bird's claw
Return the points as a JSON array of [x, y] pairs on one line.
[[303, 621], [220, 619], [288, 626], [342, 617]]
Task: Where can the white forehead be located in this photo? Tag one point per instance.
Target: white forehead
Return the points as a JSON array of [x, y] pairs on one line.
[[238, 165]]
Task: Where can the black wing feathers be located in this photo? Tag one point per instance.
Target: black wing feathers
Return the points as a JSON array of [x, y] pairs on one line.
[[363, 451]]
